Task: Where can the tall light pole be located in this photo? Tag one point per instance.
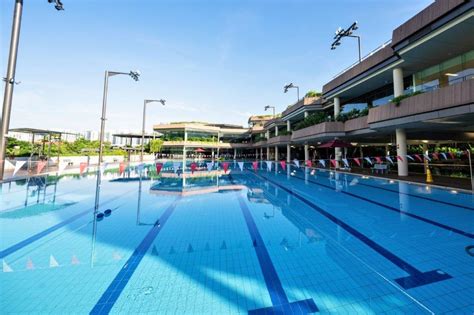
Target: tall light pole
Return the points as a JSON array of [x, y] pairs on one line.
[[268, 107], [341, 33], [134, 75], [292, 86], [10, 78], [162, 101]]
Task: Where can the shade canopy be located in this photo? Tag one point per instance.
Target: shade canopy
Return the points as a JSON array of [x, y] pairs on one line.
[[199, 150], [336, 143]]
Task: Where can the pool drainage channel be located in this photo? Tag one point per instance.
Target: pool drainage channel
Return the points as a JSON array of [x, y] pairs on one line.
[[416, 277]]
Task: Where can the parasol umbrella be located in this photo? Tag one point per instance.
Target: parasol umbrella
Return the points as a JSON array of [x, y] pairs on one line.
[[199, 150]]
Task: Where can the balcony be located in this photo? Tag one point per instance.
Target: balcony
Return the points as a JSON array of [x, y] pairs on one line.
[[444, 98], [279, 140], [320, 131], [356, 124], [430, 14]]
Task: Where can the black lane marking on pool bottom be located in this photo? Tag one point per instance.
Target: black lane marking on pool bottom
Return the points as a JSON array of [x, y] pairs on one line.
[[281, 304], [4, 253], [412, 195], [440, 225], [112, 293], [416, 277]]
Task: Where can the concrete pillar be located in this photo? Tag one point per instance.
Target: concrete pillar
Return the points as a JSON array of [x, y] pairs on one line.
[[185, 135], [401, 139], [288, 153], [306, 153], [276, 153], [235, 153], [261, 153], [256, 154], [425, 151], [268, 153], [288, 125], [337, 107], [306, 114], [267, 134], [276, 131], [398, 82], [337, 111]]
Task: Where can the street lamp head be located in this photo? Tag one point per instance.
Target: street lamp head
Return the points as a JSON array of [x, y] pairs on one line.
[[134, 75], [162, 101], [58, 4], [288, 86], [267, 107]]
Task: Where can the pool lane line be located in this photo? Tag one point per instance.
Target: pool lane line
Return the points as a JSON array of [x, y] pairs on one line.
[[408, 194], [409, 214], [10, 250], [416, 277], [115, 288], [280, 302]]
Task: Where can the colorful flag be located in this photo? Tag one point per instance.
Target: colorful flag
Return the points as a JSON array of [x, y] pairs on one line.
[[18, 166], [225, 166], [269, 165], [176, 166], [158, 166], [309, 163], [297, 163], [451, 154], [333, 163], [283, 165], [82, 167], [399, 158], [346, 163], [357, 161], [378, 159], [444, 156], [427, 157], [255, 165], [121, 168], [193, 167], [368, 160], [418, 157], [210, 166], [388, 158], [409, 157], [241, 166], [323, 163], [435, 155]]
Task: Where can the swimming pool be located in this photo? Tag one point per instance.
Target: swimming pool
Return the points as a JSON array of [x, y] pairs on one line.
[[292, 240]]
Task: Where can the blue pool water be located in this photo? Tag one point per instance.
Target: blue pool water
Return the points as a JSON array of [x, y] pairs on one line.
[[289, 241]]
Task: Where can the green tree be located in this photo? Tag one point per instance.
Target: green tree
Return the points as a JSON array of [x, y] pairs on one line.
[[154, 145]]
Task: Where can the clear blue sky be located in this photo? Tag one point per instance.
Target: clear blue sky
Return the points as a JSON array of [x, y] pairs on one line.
[[217, 61]]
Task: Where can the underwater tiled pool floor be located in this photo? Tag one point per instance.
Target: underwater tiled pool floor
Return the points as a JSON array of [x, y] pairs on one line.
[[292, 241]]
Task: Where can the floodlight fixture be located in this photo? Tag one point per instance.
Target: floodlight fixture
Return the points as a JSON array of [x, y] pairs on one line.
[[349, 32]]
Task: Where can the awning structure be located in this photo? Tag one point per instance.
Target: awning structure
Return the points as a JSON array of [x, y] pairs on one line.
[[44, 132], [336, 143]]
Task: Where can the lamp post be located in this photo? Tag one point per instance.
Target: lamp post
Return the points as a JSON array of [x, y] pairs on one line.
[[10, 78], [162, 101], [341, 33], [134, 75], [292, 86], [272, 107]]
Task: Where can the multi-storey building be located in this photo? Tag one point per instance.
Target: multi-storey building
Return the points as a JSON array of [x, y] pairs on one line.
[[417, 88]]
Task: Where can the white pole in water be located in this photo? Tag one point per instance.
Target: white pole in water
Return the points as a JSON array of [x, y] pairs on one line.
[[470, 168]]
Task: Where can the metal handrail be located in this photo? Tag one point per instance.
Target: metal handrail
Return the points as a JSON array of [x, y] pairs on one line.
[[388, 42]]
